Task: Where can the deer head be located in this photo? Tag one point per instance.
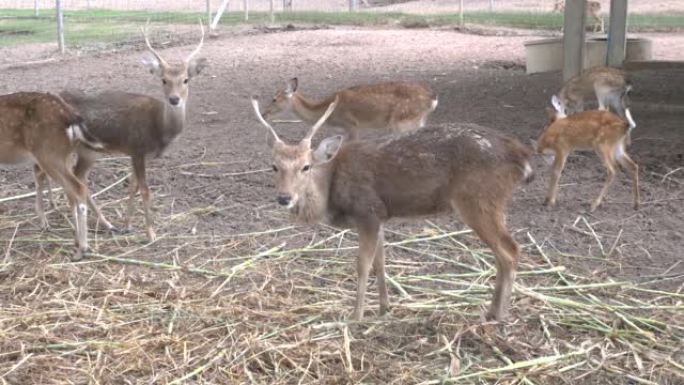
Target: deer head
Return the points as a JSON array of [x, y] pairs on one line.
[[282, 100], [175, 78], [296, 165]]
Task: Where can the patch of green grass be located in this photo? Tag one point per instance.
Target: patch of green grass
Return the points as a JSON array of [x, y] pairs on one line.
[[19, 26]]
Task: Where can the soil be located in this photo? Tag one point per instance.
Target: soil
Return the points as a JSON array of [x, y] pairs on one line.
[[479, 79]]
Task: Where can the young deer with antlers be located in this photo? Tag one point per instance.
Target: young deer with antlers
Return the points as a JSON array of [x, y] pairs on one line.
[[393, 106], [42, 128], [137, 125], [438, 169], [610, 86], [602, 131]]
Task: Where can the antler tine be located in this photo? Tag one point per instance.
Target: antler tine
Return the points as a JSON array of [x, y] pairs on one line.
[[255, 104], [161, 60], [187, 60], [322, 119]]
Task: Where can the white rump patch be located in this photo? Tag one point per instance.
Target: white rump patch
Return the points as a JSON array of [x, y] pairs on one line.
[[619, 150], [630, 120], [434, 104], [75, 133], [527, 172]]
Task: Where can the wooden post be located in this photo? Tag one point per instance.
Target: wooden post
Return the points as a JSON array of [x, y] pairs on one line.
[[461, 19], [272, 11], [246, 5], [574, 24], [60, 25], [617, 33]]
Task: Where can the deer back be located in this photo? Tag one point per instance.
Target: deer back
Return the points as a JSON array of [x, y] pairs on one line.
[[125, 122], [420, 173], [584, 130]]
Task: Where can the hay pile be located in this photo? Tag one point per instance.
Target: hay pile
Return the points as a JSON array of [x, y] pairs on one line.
[[269, 307]]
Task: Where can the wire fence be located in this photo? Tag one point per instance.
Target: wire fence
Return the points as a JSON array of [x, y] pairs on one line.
[[102, 24]]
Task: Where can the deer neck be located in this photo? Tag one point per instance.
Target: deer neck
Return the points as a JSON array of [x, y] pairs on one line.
[[313, 204], [173, 122], [307, 109]]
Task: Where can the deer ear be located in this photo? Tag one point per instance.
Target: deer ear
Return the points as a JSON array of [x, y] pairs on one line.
[[196, 66], [328, 149], [152, 64], [291, 86]]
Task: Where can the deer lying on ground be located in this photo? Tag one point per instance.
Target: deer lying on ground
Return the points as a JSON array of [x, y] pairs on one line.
[[592, 9], [42, 128], [393, 106], [137, 125], [602, 131], [610, 86], [362, 184]]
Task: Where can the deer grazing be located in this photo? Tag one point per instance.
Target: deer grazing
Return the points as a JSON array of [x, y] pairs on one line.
[[592, 10], [43, 129], [602, 131], [137, 125], [438, 169], [610, 86], [393, 106]]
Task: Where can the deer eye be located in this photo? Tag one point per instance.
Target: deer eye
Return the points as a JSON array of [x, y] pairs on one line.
[[275, 168], [306, 168], [186, 81]]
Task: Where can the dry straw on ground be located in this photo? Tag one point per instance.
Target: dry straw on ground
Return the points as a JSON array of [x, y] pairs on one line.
[[269, 308]]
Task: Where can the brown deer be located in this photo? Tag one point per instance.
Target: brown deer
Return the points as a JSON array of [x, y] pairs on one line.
[[137, 125], [592, 10], [602, 131], [395, 106], [43, 129], [438, 169], [610, 85]]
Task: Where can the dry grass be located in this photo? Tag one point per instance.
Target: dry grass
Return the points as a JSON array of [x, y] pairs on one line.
[[270, 307]]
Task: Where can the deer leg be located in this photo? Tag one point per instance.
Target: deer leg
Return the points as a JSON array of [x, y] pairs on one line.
[[379, 269], [605, 153], [77, 193], [558, 165], [139, 168], [130, 205], [368, 243], [633, 169], [41, 180], [488, 221], [82, 168]]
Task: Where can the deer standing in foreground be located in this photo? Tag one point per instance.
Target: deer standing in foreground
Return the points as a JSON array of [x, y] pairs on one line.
[[610, 86], [602, 131], [362, 184], [137, 125], [42, 128], [592, 9], [393, 106]]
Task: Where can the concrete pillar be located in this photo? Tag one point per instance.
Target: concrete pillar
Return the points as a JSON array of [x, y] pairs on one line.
[[574, 24], [617, 33]]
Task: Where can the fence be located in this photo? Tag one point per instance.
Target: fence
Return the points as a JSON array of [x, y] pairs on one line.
[[102, 24]]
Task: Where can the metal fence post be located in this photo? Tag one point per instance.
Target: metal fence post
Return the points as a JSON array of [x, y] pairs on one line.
[[491, 5], [208, 11], [246, 5], [36, 8], [353, 5], [287, 5], [461, 20], [272, 11], [60, 25]]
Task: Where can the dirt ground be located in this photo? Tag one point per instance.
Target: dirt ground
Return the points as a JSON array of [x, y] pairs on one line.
[[214, 181]]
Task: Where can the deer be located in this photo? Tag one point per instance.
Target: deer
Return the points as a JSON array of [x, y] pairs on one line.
[[592, 9], [42, 128], [610, 85], [362, 184], [604, 132], [395, 106], [136, 125]]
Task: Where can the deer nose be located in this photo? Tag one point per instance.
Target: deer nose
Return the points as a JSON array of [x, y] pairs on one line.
[[174, 100], [284, 199]]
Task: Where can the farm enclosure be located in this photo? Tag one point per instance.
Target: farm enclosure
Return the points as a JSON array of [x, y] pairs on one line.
[[232, 292]]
